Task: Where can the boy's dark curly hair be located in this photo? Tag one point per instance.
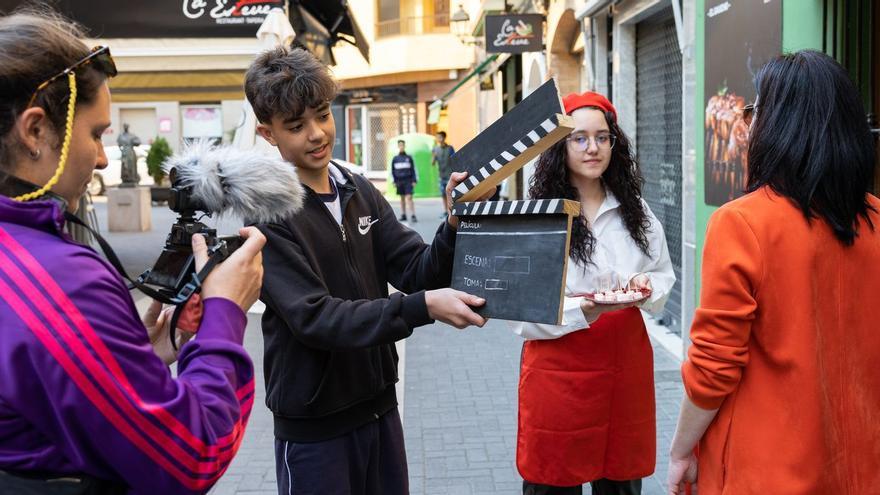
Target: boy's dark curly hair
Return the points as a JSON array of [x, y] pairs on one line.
[[285, 82], [623, 177]]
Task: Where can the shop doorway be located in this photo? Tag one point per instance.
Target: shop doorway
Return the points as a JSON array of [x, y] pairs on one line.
[[659, 99], [851, 36], [141, 122]]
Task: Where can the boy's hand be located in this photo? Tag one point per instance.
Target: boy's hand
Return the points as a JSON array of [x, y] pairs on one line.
[[453, 307], [454, 180]]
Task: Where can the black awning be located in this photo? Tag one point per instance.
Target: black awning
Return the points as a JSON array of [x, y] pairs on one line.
[[320, 24]]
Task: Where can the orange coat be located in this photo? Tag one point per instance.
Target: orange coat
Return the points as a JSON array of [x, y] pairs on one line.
[[786, 342]]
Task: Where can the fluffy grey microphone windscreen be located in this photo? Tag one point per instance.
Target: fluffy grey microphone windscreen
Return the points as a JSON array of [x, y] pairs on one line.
[[255, 186]]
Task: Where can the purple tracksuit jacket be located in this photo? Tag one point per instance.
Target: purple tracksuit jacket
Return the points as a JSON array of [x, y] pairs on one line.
[[81, 391]]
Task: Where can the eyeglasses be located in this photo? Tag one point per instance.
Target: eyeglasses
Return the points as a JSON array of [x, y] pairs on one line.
[[101, 59], [749, 113], [581, 142]]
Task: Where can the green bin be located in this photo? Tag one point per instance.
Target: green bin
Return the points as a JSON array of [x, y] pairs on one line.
[[419, 147]]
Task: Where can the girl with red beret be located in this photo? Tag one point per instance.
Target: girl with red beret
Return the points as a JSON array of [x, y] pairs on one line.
[[586, 390]]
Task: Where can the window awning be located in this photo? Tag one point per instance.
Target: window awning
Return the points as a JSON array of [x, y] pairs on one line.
[[487, 66], [320, 24]]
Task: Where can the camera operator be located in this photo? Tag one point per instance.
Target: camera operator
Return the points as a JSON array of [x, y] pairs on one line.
[[86, 404]]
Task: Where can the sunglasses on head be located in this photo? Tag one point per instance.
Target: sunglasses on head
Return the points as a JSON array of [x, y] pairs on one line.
[[100, 59]]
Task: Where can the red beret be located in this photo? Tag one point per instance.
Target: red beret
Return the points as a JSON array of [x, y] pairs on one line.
[[589, 99]]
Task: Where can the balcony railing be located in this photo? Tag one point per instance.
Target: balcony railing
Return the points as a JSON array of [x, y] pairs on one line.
[[404, 26]]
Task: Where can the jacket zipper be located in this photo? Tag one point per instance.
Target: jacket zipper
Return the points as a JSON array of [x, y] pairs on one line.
[[354, 275], [351, 269]]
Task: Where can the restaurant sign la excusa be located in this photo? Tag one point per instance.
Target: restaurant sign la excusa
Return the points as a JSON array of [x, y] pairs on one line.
[[230, 12]]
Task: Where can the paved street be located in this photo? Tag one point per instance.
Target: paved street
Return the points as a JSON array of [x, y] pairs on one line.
[[459, 400]]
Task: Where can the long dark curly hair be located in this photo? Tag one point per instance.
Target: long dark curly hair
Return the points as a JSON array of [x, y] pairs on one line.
[[623, 177]]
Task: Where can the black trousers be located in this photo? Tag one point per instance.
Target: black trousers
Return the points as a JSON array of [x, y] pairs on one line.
[[600, 487], [371, 460], [47, 484]]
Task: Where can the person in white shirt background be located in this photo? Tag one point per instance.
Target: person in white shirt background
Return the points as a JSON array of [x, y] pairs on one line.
[[586, 390]]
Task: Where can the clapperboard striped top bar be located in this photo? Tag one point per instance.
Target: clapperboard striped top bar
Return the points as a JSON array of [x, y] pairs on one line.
[[521, 207], [531, 139], [520, 135]]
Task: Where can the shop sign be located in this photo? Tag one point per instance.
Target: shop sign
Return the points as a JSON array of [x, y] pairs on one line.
[[514, 33], [164, 18]]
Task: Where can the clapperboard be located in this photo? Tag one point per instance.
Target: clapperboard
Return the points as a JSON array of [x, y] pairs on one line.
[[513, 253], [520, 135]]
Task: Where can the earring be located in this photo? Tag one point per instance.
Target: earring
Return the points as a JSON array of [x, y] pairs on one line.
[[35, 154]]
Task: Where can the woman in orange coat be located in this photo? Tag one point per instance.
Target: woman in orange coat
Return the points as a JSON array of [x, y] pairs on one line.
[[783, 392]]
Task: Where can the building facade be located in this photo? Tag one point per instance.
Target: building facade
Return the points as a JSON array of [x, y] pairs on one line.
[[664, 69], [415, 59], [182, 66]]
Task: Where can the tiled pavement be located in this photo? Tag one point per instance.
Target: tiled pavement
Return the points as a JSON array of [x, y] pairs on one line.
[[459, 406], [460, 411]]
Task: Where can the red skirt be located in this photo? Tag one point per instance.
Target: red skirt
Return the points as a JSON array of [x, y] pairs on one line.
[[586, 404]]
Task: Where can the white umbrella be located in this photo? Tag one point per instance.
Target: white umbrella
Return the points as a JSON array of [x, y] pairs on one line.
[[274, 31]]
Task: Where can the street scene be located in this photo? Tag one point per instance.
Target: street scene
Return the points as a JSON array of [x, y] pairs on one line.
[[389, 247], [457, 392]]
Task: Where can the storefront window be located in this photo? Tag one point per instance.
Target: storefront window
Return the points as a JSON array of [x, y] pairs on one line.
[[201, 122], [355, 135], [408, 17]]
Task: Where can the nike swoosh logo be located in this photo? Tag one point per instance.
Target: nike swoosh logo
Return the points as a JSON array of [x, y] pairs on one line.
[[363, 229]]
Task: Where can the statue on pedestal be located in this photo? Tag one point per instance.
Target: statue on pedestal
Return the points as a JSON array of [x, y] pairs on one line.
[[127, 141]]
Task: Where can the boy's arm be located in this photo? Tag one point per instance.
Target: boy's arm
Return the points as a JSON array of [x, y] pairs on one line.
[[412, 265], [294, 291]]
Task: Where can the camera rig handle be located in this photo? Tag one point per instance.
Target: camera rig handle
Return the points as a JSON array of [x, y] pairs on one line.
[[216, 254]]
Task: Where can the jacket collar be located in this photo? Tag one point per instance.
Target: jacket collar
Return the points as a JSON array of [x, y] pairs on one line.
[[341, 175], [45, 213], [610, 203]]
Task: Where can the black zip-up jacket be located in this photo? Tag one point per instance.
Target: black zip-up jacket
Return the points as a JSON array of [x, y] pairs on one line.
[[330, 325]]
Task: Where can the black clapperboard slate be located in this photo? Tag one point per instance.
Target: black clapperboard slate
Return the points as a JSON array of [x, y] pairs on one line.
[[514, 254], [523, 133]]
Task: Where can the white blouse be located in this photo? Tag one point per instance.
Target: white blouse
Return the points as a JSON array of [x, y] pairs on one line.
[[617, 254]]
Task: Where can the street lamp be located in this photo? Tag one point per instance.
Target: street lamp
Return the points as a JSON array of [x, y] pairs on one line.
[[460, 21]]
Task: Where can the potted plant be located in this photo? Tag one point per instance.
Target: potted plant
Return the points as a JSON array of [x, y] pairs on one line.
[[160, 150]]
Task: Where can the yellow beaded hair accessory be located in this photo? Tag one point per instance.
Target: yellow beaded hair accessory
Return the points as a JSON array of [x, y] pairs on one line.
[[65, 148]]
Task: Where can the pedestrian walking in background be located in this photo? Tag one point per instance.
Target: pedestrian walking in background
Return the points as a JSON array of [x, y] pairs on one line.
[[440, 157], [586, 390], [783, 392], [403, 171]]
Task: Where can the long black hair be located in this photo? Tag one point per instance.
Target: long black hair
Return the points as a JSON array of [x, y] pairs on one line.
[[810, 140], [623, 177]]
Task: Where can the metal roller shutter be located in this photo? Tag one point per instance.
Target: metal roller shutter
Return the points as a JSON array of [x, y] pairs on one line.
[[658, 103]]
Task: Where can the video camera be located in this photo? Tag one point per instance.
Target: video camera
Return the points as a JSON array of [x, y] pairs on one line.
[[176, 265], [254, 186]]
